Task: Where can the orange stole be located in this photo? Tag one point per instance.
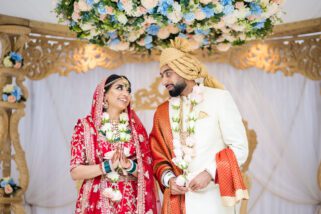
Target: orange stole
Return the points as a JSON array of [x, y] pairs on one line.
[[229, 178], [161, 142]]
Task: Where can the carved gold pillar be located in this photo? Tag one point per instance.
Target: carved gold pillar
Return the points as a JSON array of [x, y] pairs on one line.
[[12, 38]]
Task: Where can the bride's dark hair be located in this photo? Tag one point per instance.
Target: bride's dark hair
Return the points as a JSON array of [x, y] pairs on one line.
[[112, 79]]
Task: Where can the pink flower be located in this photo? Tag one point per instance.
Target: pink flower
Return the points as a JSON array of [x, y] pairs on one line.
[[200, 15], [163, 33], [251, 18], [194, 44], [173, 29], [11, 99], [102, 17], [76, 7], [239, 5], [220, 24], [75, 15], [110, 10], [8, 189], [278, 1], [149, 4], [17, 65]]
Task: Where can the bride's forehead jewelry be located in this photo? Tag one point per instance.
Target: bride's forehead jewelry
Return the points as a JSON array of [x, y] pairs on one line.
[[125, 81]]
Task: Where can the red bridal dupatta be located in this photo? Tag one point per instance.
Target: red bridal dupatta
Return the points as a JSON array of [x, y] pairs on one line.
[[87, 130]]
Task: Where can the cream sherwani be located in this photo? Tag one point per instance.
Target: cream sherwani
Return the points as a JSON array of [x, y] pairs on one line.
[[219, 125]]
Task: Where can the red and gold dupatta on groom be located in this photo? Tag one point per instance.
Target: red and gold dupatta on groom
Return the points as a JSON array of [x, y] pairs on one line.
[[161, 142]]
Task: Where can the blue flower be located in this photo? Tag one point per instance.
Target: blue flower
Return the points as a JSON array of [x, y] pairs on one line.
[[226, 2], [182, 27], [90, 2], [4, 97], [259, 25], [255, 9], [11, 182], [153, 29], [73, 23], [189, 17], [115, 41], [163, 7], [202, 32], [205, 42], [209, 12], [120, 6], [148, 39], [149, 46], [101, 9], [17, 93], [228, 9], [3, 184], [112, 34], [182, 35], [15, 56], [151, 11], [113, 18]]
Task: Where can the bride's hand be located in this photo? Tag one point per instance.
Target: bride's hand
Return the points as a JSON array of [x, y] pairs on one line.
[[124, 161], [116, 159]]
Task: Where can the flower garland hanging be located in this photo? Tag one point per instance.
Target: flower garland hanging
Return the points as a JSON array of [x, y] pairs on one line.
[[115, 136], [141, 25], [184, 150], [120, 135]]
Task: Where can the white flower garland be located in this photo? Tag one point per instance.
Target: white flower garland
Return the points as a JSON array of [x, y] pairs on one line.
[[184, 151], [112, 136]]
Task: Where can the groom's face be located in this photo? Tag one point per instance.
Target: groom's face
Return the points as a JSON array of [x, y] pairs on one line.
[[174, 83]]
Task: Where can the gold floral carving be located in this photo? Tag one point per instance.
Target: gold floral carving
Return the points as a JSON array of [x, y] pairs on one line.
[[44, 56], [12, 38], [301, 55], [149, 99]]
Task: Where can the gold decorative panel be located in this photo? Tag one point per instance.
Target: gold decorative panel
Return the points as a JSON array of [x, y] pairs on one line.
[[44, 56]]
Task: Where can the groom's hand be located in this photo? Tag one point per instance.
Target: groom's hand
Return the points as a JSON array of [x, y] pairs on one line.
[[200, 181], [175, 189]]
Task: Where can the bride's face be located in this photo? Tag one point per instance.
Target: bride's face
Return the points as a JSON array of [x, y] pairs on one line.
[[118, 96]]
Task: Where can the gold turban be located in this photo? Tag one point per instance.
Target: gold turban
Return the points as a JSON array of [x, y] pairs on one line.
[[178, 58]]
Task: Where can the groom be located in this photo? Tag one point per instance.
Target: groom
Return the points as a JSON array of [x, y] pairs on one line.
[[189, 129]]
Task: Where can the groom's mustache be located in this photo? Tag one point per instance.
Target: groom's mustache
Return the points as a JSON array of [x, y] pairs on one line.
[[170, 85]]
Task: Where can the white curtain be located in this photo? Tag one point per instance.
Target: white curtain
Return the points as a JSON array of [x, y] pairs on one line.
[[283, 111]]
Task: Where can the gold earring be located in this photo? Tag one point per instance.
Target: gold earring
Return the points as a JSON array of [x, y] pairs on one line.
[[105, 105]]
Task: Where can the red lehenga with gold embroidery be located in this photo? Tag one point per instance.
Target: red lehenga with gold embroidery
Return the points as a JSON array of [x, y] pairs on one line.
[[88, 148]]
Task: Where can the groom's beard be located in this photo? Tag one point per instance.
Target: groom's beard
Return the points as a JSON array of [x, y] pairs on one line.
[[177, 89]]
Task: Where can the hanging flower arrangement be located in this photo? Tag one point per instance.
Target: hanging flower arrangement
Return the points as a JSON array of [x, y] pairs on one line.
[[12, 93], [13, 60], [8, 185], [141, 25]]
